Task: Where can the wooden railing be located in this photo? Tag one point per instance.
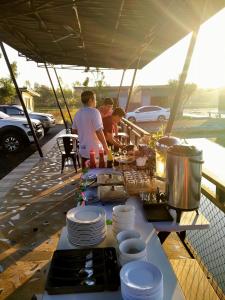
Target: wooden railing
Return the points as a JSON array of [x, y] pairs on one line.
[[134, 132]]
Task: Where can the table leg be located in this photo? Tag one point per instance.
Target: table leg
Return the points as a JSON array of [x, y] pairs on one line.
[[162, 235], [182, 235]]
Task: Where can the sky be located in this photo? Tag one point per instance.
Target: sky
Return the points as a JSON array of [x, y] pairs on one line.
[[207, 67]]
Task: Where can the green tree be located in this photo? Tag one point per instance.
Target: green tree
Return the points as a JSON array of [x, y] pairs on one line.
[[188, 90], [27, 83], [99, 82], [7, 89], [86, 82], [47, 97], [14, 68]]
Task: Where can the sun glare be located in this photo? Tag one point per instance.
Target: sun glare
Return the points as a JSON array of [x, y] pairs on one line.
[[207, 67], [208, 63]]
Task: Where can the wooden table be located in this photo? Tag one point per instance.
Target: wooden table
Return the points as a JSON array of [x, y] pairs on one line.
[[155, 254]]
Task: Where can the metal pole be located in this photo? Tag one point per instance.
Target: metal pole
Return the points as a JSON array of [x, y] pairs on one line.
[[63, 95], [121, 82], [21, 99], [176, 102], [132, 85], [56, 98]]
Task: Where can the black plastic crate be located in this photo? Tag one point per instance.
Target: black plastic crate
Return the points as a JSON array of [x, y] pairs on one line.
[[83, 271]]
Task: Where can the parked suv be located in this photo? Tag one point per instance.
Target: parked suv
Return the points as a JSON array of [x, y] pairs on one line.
[[47, 120], [15, 133]]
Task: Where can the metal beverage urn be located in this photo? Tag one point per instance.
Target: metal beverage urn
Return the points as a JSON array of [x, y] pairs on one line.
[[184, 172], [162, 146]]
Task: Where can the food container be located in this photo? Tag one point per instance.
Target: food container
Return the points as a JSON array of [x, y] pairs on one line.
[[141, 162], [110, 179], [184, 172], [162, 146], [137, 181], [111, 193], [69, 271]]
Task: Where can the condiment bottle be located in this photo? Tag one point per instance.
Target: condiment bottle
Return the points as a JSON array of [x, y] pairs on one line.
[[92, 159], [110, 159], [101, 159]]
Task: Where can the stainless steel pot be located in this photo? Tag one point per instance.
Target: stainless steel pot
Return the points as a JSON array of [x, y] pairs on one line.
[[184, 172]]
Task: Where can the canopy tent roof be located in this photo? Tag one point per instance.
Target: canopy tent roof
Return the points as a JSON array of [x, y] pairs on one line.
[[99, 33]]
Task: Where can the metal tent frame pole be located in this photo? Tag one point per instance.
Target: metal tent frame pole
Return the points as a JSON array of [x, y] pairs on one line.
[[63, 95], [21, 99], [132, 85], [56, 97], [183, 76], [121, 82]]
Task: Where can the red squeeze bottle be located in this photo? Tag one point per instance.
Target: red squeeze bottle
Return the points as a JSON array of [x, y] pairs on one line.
[[101, 159], [92, 159]]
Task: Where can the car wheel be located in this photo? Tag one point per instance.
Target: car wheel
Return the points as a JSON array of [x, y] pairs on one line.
[[132, 119], [12, 142], [161, 118]]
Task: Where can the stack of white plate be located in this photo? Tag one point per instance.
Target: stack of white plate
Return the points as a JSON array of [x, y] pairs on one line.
[[141, 281], [86, 225], [123, 218]]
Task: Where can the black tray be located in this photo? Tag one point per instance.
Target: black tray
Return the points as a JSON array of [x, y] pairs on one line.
[[67, 275], [156, 212]]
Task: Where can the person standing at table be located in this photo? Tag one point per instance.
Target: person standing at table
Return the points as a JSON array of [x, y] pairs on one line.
[[88, 125], [109, 124], [106, 109]]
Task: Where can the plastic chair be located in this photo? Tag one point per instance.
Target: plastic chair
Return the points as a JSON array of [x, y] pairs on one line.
[[68, 147]]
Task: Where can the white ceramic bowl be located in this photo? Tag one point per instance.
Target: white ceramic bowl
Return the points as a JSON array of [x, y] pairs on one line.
[[132, 248], [123, 210], [126, 221], [127, 234], [123, 219], [124, 260], [120, 227]]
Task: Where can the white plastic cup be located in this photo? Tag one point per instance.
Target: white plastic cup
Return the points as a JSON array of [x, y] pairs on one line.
[[133, 248], [127, 234], [123, 210]]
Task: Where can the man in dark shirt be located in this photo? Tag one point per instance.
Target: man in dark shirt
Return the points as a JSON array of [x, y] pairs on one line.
[[109, 123]]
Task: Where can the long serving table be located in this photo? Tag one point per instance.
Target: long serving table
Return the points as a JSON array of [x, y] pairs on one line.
[[155, 254]]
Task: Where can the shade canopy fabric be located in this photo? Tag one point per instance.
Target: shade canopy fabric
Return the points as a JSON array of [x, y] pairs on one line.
[[99, 33]]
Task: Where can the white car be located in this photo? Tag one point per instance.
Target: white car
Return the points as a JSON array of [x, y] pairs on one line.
[[15, 133], [148, 113]]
